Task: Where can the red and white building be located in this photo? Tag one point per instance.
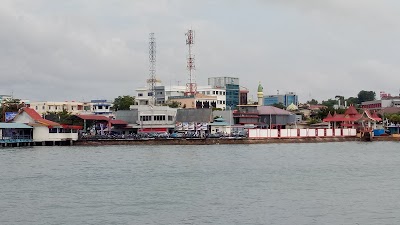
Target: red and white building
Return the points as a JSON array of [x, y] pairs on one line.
[[46, 130], [353, 119]]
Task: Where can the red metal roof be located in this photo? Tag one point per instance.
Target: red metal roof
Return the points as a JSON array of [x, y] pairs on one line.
[[38, 119], [118, 122], [102, 118], [93, 117]]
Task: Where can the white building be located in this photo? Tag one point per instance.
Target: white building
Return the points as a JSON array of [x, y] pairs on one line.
[[153, 118], [219, 93], [70, 106], [98, 107], [380, 104], [45, 130]]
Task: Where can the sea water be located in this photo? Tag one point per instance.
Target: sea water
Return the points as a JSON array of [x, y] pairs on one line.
[[322, 183]]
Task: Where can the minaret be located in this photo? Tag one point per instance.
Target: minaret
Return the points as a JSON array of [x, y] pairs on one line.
[[260, 94]]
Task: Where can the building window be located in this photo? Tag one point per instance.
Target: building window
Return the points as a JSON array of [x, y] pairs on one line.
[[43, 107], [100, 107], [56, 107], [150, 94], [106, 107], [216, 92], [36, 107], [170, 118], [72, 108], [53, 130], [213, 92], [159, 118], [145, 118], [140, 94], [208, 92]]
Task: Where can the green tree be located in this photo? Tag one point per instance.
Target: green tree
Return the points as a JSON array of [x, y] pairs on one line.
[[279, 105], [63, 117], [10, 105], [312, 102], [123, 102], [364, 96], [352, 101], [330, 102], [174, 104], [393, 118]]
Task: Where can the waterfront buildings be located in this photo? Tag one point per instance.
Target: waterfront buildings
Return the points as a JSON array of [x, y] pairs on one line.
[[221, 92]]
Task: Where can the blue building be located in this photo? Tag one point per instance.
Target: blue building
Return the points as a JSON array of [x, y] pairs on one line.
[[232, 95], [285, 99]]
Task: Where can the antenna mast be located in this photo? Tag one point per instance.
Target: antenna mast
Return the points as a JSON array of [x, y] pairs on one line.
[[152, 67], [191, 86]]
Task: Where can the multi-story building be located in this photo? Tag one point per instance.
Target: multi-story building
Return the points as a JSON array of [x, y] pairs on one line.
[[231, 85], [99, 107], [243, 96], [198, 101], [70, 106], [147, 118], [380, 104], [205, 93], [221, 82], [285, 99]]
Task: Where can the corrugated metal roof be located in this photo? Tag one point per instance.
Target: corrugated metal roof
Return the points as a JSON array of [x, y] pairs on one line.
[[271, 110], [194, 115], [14, 126]]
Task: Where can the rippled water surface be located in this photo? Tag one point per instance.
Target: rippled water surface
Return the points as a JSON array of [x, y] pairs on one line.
[[324, 183]]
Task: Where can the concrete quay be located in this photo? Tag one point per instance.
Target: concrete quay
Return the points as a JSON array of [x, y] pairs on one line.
[[209, 141]]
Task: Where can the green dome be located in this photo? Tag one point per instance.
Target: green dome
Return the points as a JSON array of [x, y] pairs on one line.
[[260, 88]]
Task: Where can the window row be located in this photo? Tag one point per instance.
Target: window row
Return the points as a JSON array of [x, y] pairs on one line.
[[156, 118]]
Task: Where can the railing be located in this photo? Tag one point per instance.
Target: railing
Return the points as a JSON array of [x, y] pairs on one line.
[[16, 139]]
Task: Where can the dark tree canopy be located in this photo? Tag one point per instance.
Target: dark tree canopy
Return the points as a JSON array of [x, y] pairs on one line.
[[364, 96], [174, 104], [330, 102], [10, 105], [279, 105], [312, 102], [123, 102]]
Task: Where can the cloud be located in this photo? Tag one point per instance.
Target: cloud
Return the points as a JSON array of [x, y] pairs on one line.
[[73, 50]]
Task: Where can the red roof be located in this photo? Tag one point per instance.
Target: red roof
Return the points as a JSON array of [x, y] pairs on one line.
[[38, 119], [351, 111], [118, 122], [93, 117]]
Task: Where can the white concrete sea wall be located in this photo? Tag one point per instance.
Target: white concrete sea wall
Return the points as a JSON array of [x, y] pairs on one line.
[[301, 133]]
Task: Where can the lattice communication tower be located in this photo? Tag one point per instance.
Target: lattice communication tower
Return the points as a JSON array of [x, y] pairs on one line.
[[152, 81], [191, 86]]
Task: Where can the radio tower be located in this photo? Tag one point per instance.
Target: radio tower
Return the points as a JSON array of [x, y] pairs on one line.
[[152, 68], [191, 87]]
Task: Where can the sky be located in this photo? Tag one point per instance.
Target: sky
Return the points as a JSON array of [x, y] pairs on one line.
[[57, 50]]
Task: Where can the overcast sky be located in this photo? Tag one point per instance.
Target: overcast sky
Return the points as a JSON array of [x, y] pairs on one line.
[[61, 50]]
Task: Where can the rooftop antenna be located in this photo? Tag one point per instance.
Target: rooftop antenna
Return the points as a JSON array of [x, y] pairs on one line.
[[191, 86]]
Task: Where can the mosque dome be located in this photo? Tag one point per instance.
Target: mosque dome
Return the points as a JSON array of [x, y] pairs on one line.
[[292, 107]]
